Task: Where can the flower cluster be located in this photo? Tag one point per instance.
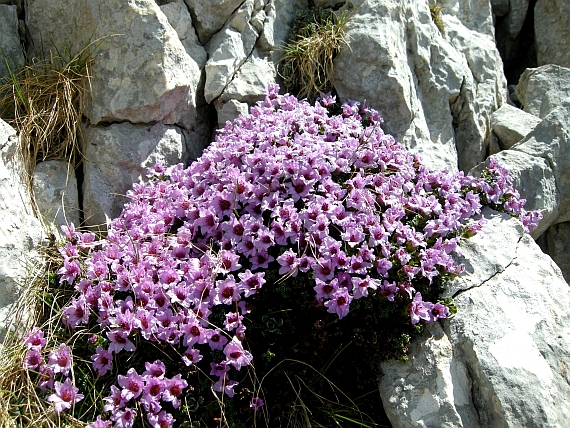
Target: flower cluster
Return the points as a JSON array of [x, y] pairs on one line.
[[65, 394], [288, 188]]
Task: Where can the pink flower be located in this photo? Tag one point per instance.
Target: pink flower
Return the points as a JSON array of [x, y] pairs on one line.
[[65, 395], [60, 360], [132, 384], [102, 361], [236, 355], [256, 403], [340, 303], [35, 339]]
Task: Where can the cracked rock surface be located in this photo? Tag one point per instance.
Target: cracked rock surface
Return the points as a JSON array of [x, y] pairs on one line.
[[503, 359]]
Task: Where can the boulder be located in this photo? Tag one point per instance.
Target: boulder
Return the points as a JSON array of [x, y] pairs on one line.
[[56, 194], [20, 231], [500, 7], [230, 110], [10, 48], [228, 50], [211, 15], [509, 27], [260, 68], [539, 165], [540, 90], [556, 243], [118, 156], [502, 360], [511, 125], [143, 73], [552, 32], [435, 91]]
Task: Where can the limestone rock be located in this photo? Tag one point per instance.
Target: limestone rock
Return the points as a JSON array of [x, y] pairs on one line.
[[10, 48], [211, 15], [436, 92], [510, 332], [251, 80], [500, 7], [509, 28], [511, 125], [556, 243], [230, 110], [56, 194], [539, 164], [142, 73], [229, 49], [540, 90], [20, 232], [179, 17], [552, 32], [260, 68], [118, 156]]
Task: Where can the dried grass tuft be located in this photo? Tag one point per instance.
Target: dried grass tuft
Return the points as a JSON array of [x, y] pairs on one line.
[[307, 62], [436, 17]]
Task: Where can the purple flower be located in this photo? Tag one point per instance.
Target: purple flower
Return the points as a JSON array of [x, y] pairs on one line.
[[236, 355], [65, 396], [60, 359], [256, 403], [173, 390], [33, 359], [99, 423], [102, 361], [124, 418], [340, 303], [132, 384], [35, 339], [418, 309]]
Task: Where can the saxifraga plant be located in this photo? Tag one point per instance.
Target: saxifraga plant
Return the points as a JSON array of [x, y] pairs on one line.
[[308, 243], [316, 39]]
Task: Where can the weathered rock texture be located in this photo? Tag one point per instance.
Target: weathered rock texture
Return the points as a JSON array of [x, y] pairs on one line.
[[436, 92], [511, 125], [20, 232], [502, 360], [143, 73], [540, 90], [10, 49], [123, 152], [556, 243], [552, 32], [539, 166], [56, 194]]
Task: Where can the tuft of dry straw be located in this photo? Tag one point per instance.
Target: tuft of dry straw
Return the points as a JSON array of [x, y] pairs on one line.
[[307, 62]]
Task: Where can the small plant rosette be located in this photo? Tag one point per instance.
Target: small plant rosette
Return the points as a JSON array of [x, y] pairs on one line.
[[288, 188]]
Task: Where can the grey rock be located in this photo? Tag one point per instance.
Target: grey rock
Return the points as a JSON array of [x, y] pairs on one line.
[[10, 48], [142, 72], [118, 156], [556, 243], [539, 165], [511, 125], [552, 32], [494, 146], [56, 194], [179, 17], [540, 90], [20, 232], [251, 80], [500, 7], [510, 332], [509, 28], [230, 110], [211, 15], [229, 49], [436, 92]]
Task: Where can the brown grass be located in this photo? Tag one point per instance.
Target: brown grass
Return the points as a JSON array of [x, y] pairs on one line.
[[307, 62]]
